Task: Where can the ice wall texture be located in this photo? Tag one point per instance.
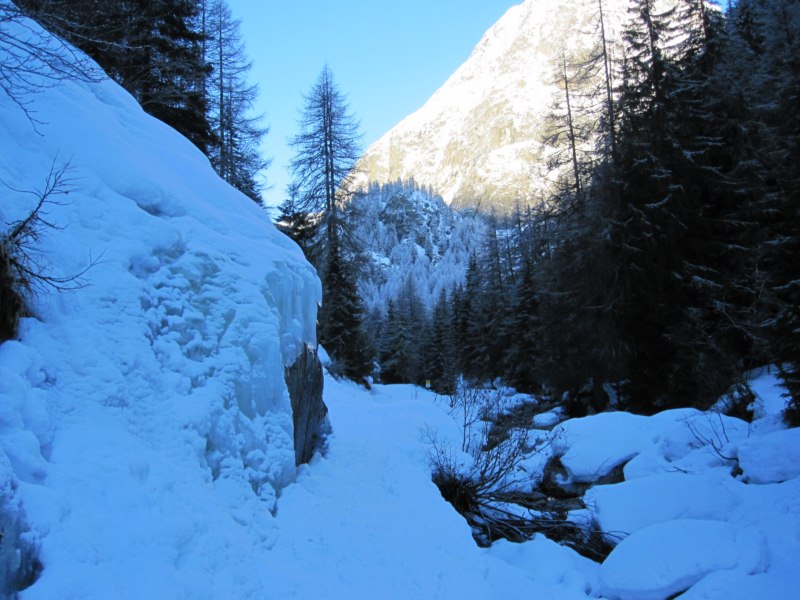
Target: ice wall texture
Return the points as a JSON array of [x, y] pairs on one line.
[[145, 414]]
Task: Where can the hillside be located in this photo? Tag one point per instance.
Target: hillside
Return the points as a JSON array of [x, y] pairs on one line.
[[407, 234], [145, 426], [479, 139]]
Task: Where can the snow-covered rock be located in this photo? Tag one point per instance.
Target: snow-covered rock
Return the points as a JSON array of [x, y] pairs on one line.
[[547, 419], [694, 443], [591, 447], [771, 458], [627, 507], [664, 559], [546, 562]]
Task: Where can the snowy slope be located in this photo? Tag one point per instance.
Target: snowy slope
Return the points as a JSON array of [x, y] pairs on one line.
[[479, 137], [145, 427]]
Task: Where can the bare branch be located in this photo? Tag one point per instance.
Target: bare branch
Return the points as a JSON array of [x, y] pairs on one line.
[[21, 270]]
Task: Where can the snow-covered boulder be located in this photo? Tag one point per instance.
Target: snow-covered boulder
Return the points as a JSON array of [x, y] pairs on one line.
[[662, 560], [695, 443], [771, 458], [144, 416], [625, 508], [548, 563], [591, 447]]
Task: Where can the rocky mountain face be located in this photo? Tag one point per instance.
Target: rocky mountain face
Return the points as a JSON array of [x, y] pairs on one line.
[[479, 140]]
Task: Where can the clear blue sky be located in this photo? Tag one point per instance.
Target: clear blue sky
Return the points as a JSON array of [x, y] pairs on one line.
[[387, 57]]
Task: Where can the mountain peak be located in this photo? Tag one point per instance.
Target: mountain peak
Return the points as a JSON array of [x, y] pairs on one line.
[[476, 141]]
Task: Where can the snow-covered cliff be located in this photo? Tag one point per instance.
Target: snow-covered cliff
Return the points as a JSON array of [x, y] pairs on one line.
[[145, 426], [479, 138]]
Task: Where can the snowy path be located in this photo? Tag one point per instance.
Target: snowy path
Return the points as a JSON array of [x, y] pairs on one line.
[[367, 522]]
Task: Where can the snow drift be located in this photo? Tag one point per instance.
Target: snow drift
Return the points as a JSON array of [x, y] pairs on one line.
[[144, 415]]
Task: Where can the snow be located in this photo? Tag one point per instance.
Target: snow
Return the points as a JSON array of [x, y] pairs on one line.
[[591, 447], [771, 458], [662, 560], [546, 562], [547, 419], [668, 496], [367, 521], [146, 443]]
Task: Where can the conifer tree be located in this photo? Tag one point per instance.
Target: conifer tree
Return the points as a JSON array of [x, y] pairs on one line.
[[341, 319], [397, 355], [766, 35], [438, 348], [326, 150], [152, 48], [234, 150], [295, 222]]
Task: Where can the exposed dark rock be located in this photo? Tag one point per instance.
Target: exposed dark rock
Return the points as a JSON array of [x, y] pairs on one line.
[[10, 302], [309, 413]]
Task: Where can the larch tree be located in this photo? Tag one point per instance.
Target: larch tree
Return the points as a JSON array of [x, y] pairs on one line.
[[234, 150], [326, 151]]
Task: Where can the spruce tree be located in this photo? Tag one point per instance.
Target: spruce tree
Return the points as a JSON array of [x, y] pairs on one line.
[[766, 35], [153, 48], [341, 319]]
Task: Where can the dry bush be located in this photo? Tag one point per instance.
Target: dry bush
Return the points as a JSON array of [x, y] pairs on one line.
[[487, 492], [22, 271]]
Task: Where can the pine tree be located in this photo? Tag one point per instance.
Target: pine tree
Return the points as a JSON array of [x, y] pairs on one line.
[[524, 322], [437, 350], [765, 63], [670, 218], [341, 319], [296, 223], [396, 354]]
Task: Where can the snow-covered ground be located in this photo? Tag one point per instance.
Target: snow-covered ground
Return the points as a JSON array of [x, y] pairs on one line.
[[366, 520], [146, 432]]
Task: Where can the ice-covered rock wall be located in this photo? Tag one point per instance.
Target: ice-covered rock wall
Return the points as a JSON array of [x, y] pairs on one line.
[[144, 414]]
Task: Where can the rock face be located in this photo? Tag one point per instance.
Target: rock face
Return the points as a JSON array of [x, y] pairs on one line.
[[478, 139], [309, 413]]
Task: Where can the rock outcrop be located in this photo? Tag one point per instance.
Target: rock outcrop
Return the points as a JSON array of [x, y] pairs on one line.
[[309, 413]]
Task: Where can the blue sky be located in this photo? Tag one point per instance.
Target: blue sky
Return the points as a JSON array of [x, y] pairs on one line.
[[387, 57]]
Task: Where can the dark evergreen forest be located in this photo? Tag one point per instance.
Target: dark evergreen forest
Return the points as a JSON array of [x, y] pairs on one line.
[[183, 61]]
